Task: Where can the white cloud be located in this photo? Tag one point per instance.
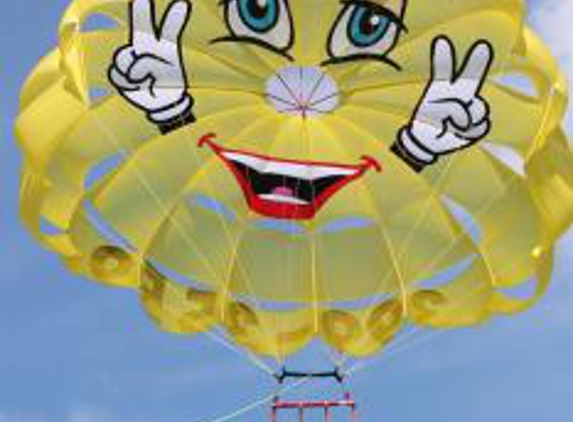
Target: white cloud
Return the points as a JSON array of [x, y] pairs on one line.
[[552, 20]]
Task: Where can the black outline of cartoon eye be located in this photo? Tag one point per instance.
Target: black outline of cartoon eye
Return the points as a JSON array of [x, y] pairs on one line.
[[342, 26], [241, 31]]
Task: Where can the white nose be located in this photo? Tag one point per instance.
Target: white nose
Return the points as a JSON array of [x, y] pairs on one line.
[[302, 91]]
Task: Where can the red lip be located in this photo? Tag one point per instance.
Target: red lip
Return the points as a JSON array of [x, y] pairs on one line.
[[308, 184]]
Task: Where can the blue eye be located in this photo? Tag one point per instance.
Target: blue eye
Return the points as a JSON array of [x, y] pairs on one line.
[[364, 30], [262, 23], [366, 27], [259, 15]]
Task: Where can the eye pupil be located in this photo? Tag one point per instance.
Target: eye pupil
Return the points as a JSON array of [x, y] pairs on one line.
[[366, 27], [373, 23], [259, 8], [259, 15]]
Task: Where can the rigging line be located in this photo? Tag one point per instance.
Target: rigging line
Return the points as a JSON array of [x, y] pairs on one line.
[[274, 143], [166, 212], [278, 356], [414, 332], [314, 283], [394, 351], [292, 106], [325, 351], [258, 403], [251, 216], [222, 339], [194, 177], [403, 341], [289, 268], [379, 218], [400, 346], [344, 361], [293, 234], [400, 254], [323, 99], [454, 242], [295, 97], [152, 192], [148, 186], [315, 88], [140, 176], [236, 244], [425, 209]]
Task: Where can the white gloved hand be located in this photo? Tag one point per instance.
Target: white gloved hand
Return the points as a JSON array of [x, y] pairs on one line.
[[149, 72], [451, 115]]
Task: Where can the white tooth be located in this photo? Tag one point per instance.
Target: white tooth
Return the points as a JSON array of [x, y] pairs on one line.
[[300, 171], [305, 172], [248, 160], [319, 171], [283, 199]]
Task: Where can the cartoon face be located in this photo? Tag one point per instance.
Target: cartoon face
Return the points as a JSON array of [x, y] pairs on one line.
[[284, 161], [302, 89]]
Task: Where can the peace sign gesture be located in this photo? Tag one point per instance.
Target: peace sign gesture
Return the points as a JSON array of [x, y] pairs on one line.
[[149, 71], [451, 115]]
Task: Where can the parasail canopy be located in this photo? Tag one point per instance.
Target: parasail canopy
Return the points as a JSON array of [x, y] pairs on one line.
[[284, 202]]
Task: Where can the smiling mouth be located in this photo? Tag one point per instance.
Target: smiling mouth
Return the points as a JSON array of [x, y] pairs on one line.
[[287, 189]]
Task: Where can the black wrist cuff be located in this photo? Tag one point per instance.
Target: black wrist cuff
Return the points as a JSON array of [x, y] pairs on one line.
[[408, 158], [184, 119]]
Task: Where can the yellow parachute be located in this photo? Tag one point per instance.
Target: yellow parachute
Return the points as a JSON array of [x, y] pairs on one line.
[[128, 205]]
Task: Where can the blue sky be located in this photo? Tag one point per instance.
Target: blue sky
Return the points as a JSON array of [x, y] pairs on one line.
[[73, 351]]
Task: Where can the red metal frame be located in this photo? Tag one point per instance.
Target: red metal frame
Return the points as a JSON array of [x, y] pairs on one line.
[[302, 405]]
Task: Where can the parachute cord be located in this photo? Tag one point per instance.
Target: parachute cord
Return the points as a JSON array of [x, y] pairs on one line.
[[331, 356], [234, 262], [250, 357], [486, 207], [325, 350], [258, 403], [403, 344], [254, 360], [395, 348]]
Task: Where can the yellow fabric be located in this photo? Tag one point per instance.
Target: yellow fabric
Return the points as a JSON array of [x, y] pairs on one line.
[[273, 291]]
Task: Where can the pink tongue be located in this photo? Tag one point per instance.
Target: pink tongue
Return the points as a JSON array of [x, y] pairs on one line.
[[283, 191]]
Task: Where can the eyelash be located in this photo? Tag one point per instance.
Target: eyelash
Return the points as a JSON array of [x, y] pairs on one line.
[[362, 57], [381, 10]]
